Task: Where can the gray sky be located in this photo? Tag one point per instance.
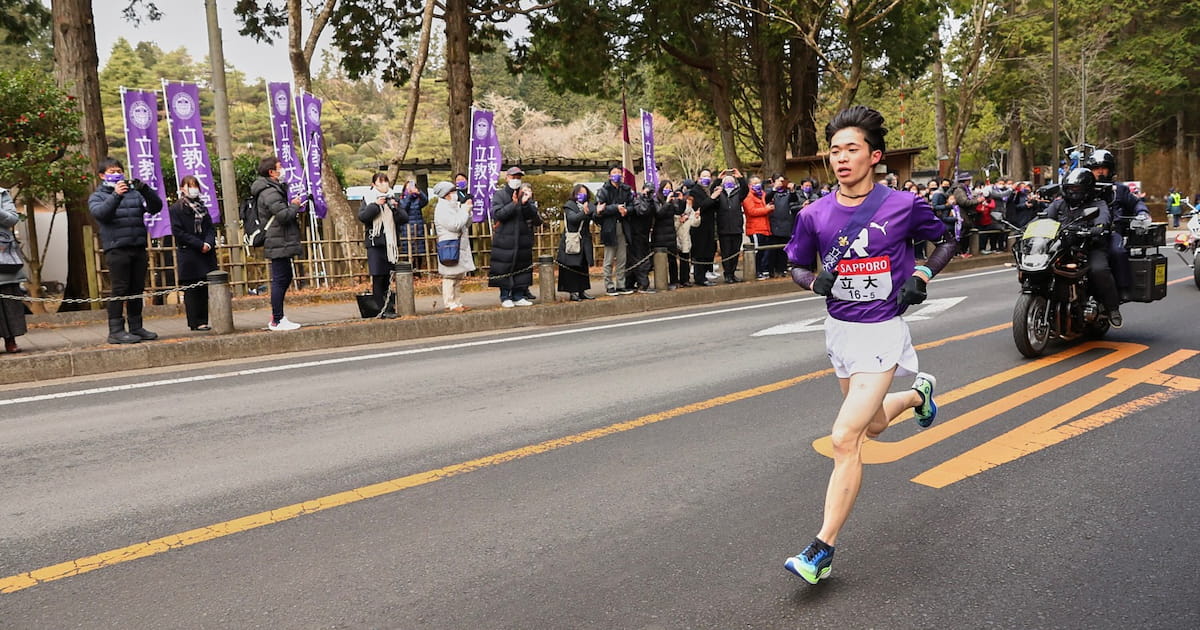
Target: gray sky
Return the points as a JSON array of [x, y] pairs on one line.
[[184, 24]]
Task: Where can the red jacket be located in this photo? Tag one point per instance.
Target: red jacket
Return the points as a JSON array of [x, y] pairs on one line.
[[758, 214]]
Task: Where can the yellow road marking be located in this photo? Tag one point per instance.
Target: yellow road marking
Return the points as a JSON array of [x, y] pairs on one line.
[[1055, 426]]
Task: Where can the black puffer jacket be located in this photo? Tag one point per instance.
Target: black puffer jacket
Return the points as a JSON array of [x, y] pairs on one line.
[[512, 240], [784, 208], [729, 210], [283, 237], [120, 216], [664, 222]]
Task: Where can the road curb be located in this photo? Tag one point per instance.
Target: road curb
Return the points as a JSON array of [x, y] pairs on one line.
[[250, 343]]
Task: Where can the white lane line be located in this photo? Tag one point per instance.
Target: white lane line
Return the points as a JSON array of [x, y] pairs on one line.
[[415, 351]]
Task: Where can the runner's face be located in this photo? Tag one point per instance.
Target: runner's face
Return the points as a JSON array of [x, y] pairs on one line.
[[851, 157]]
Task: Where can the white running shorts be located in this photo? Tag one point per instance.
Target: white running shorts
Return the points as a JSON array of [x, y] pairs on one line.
[[855, 347]]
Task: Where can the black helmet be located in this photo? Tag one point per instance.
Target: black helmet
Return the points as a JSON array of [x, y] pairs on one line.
[[1079, 187], [1105, 158]]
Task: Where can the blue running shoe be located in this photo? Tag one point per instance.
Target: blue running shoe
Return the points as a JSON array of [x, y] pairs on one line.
[[813, 564], [927, 410]]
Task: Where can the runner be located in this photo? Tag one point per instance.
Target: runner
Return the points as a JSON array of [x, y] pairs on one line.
[[862, 239]]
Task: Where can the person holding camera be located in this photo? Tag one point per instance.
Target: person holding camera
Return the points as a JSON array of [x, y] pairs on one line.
[[730, 220], [637, 252], [514, 215], [703, 233], [12, 274], [196, 249], [663, 234], [578, 212], [118, 206], [270, 193], [413, 200], [382, 214]]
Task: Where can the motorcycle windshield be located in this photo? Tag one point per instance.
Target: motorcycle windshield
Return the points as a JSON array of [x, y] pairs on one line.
[[1037, 243], [1041, 228]]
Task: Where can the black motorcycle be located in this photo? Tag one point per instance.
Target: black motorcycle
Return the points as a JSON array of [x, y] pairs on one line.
[[1052, 264]]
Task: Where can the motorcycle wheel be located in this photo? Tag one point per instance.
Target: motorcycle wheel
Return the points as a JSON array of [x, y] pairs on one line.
[[1031, 330], [1196, 267], [1097, 330]]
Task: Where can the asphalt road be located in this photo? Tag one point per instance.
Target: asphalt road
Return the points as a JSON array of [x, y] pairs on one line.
[[640, 472]]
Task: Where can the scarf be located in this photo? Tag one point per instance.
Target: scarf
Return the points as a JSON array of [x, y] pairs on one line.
[[385, 223], [198, 214]]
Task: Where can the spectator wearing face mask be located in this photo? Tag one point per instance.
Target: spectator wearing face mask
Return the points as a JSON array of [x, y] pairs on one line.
[[614, 202], [670, 206], [462, 185], [514, 216], [578, 212], [641, 222], [196, 249], [704, 234], [412, 234], [384, 216], [785, 203], [758, 222], [730, 220]]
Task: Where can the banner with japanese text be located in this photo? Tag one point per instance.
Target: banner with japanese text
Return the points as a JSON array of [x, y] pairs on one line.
[[485, 163], [187, 141], [279, 100], [651, 166], [140, 111], [312, 142]]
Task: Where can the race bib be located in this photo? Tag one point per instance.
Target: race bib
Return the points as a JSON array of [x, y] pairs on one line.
[[864, 279]]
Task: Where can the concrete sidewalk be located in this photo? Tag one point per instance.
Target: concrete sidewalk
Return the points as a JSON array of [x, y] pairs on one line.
[[62, 345]]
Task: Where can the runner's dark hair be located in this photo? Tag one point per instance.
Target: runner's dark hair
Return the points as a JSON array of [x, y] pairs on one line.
[[869, 121]]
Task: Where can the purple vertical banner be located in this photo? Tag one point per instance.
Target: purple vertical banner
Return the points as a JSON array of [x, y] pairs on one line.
[[279, 100], [140, 109], [187, 141], [648, 160], [314, 150], [485, 163]]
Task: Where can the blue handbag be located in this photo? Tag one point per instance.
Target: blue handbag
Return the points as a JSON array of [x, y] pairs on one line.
[[447, 252]]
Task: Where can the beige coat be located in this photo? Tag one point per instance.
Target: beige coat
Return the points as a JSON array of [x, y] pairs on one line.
[[453, 220]]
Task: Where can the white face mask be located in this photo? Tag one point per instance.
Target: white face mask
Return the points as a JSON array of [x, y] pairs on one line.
[[514, 184], [192, 193]]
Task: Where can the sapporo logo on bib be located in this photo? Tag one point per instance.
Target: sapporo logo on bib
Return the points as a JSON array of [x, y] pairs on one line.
[[864, 279]]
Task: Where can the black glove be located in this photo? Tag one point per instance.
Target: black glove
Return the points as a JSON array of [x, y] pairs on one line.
[[138, 185], [1097, 230], [823, 285], [913, 291]]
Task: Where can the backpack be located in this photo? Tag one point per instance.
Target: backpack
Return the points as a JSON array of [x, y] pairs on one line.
[[254, 231]]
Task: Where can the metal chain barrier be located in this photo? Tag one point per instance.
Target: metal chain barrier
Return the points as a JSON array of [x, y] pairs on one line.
[[115, 298]]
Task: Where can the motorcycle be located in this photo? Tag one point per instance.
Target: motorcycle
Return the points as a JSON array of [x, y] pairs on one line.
[[1187, 243], [1056, 301]]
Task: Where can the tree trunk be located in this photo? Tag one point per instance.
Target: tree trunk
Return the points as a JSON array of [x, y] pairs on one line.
[[719, 88], [458, 78], [1178, 172], [769, 60], [806, 79], [414, 91], [35, 262], [939, 109], [1016, 149], [75, 71], [300, 52]]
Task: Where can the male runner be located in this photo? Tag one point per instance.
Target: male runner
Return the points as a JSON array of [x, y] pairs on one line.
[[869, 277]]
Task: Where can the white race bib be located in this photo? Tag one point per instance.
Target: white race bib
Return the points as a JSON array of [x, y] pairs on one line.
[[864, 279]]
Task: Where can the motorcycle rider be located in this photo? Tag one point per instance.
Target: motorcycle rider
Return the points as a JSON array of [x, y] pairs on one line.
[[1079, 193], [1125, 208]]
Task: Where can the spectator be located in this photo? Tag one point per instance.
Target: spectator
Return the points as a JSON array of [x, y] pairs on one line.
[[283, 234], [118, 206], [758, 223], [577, 219], [704, 234], [730, 221], [514, 215], [613, 202], [452, 220], [641, 223], [663, 234], [910, 186], [383, 214], [412, 234], [686, 222], [784, 203], [462, 184], [196, 247], [824, 190], [12, 274]]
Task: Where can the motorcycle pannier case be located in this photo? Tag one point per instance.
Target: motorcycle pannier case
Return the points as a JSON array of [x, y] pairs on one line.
[[1149, 278]]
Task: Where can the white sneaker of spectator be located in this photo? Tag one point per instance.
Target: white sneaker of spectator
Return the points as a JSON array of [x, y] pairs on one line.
[[283, 324], [523, 302], [508, 303]]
